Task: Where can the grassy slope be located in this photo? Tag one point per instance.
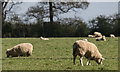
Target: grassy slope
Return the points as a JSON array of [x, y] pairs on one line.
[[56, 54]]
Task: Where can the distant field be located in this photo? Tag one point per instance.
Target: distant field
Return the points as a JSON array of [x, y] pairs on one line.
[[56, 54]]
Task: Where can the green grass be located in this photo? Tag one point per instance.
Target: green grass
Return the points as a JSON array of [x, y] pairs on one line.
[[56, 54]]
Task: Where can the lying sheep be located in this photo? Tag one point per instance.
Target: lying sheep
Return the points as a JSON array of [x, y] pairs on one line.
[[91, 36], [44, 38], [87, 49], [23, 49], [112, 35], [101, 38], [97, 34], [104, 38]]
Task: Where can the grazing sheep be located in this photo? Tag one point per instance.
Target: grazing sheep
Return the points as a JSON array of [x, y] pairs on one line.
[[23, 49], [101, 38], [98, 34], [112, 35], [91, 36], [44, 38], [87, 49]]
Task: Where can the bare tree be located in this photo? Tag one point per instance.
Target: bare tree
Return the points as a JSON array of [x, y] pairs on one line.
[[7, 8], [64, 7], [53, 9], [37, 12]]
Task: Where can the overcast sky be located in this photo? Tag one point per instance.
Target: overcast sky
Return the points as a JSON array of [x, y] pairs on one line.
[[93, 10], [96, 9]]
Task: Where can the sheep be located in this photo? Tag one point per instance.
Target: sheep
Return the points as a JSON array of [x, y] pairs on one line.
[[104, 38], [87, 49], [44, 38], [112, 35], [91, 36], [97, 34], [84, 39], [23, 49], [101, 38]]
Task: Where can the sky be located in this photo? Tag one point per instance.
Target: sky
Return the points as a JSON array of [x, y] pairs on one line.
[[103, 8], [94, 9]]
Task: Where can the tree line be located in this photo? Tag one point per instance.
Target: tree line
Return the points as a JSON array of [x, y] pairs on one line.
[[14, 26], [67, 27]]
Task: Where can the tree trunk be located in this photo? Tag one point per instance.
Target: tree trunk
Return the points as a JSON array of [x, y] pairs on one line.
[[4, 4], [51, 11]]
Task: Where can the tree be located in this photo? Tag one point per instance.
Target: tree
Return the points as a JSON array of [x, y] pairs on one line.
[[6, 30], [7, 8], [82, 30], [73, 27], [37, 12], [64, 7], [116, 21], [55, 8], [105, 25]]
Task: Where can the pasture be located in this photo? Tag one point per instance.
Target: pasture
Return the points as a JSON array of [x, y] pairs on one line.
[[56, 54]]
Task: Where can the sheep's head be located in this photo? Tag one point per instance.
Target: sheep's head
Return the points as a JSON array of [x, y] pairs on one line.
[[95, 33], [9, 51], [41, 37], [104, 38], [99, 60]]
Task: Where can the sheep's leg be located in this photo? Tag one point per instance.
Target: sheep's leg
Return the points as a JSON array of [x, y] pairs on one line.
[[28, 54], [88, 62], [74, 59], [81, 61], [8, 55]]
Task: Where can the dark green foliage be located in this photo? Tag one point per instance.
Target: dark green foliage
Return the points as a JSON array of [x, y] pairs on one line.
[[6, 30], [82, 30], [105, 25], [68, 27], [46, 29]]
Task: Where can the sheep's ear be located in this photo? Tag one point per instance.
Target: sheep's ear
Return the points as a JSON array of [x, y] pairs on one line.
[[13, 49]]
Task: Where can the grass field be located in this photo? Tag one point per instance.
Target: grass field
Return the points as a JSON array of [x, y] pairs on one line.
[[56, 54]]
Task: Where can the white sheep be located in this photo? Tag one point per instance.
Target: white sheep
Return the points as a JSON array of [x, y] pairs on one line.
[[91, 36], [101, 38], [44, 38], [104, 38], [84, 39], [23, 49], [112, 35], [87, 49], [97, 34]]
